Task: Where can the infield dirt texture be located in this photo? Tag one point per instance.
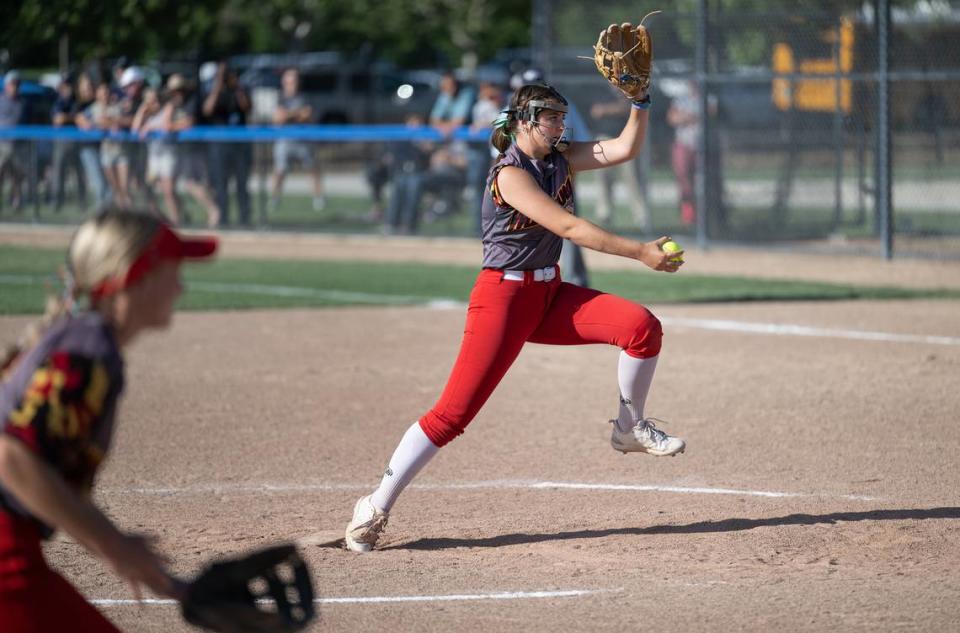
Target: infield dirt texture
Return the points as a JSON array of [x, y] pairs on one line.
[[820, 490]]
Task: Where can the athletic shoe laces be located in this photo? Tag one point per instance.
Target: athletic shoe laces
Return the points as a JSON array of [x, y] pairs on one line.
[[376, 524], [656, 434]]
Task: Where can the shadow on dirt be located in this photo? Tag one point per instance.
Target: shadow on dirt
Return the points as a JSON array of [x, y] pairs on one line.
[[725, 525]]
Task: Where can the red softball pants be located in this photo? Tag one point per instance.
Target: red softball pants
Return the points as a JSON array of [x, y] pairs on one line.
[[33, 597], [505, 314]]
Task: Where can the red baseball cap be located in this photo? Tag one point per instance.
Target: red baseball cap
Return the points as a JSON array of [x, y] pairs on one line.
[[166, 244]]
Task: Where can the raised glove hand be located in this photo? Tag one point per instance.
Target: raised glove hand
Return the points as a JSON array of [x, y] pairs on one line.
[[624, 55]]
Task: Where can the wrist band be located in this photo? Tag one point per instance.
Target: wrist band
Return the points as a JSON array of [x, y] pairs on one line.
[[642, 104]]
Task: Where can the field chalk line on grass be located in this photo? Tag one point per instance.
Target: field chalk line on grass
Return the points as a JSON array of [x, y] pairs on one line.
[[289, 488], [440, 303], [462, 597], [342, 296], [786, 329]]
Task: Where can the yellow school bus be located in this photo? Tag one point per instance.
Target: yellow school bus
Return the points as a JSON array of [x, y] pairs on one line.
[[829, 94], [849, 48]]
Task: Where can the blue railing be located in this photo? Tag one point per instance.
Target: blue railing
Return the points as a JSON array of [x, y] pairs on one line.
[[251, 134]]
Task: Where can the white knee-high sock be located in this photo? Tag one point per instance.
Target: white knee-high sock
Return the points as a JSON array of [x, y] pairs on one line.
[[634, 376], [412, 454]]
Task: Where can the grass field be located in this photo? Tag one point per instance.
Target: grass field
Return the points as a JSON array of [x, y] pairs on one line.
[[28, 274]]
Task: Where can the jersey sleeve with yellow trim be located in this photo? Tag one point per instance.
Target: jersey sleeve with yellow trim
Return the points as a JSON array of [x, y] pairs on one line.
[[61, 413]]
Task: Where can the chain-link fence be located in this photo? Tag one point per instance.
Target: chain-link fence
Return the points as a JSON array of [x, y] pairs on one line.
[[767, 126], [788, 149]]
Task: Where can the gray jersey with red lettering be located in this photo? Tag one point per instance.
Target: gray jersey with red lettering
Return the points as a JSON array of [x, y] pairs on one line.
[[512, 241]]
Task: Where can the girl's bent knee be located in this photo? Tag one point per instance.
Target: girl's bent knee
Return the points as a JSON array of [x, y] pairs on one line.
[[438, 430], [647, 338]]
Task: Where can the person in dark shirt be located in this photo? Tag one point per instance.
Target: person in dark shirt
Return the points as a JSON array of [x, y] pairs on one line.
[[13, 112], [58, 404], [66, 154], [227, 103], [410, 174]]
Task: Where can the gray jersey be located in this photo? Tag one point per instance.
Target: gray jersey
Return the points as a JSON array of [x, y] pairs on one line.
[[60, 402], [296, 102], [512, 241]]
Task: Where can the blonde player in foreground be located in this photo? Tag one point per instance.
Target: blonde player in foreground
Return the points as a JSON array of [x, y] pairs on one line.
[[58, 402], [519, 297]]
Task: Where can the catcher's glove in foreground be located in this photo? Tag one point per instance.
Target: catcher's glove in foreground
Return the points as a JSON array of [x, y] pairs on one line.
[[624, 55], [268, 591]]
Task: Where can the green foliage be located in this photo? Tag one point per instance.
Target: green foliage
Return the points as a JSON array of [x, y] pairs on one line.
[[105, 28], [412, 32]]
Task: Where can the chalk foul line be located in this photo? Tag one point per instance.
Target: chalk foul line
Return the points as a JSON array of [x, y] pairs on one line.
[[290, 488], [460, 597], [786, 329]]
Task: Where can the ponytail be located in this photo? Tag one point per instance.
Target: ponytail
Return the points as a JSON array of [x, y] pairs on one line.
[[501, 139]]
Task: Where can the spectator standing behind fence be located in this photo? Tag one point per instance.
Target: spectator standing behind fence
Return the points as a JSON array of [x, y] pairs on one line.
[[150, 122], [89, 151], [103, 115], [684, 117], [480, 155], [13, 112], [116, 72], [227, 103], [293, 109], [607, 117], [178, 159], [66, 154], [134, 164]]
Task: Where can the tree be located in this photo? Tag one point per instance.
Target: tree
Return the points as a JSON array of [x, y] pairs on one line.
[[411, 32], [105, 28]]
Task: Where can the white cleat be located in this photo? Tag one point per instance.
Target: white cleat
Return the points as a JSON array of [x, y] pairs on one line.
[[364, 529], [645, 437]]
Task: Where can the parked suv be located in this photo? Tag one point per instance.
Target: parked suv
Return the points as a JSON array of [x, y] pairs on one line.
[[340, 92]]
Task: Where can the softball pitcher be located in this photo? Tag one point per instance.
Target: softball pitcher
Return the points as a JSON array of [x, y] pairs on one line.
[[58, 401], [519, 296]]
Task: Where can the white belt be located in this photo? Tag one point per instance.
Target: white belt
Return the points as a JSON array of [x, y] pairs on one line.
[[539, 274]]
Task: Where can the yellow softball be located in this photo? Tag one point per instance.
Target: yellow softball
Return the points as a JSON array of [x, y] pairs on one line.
[[672, 247]]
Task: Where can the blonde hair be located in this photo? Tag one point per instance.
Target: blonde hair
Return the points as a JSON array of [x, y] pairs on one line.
[[103, 247], [502, 137], [106, 246]]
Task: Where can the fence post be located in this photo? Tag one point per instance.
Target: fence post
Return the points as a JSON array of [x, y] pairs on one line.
[[33, 183], [541, 37], [884, 191], [260, 165], [700, 181], [838, 131]]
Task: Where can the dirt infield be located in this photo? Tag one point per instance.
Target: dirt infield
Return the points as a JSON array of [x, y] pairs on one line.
[[819, 492]]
